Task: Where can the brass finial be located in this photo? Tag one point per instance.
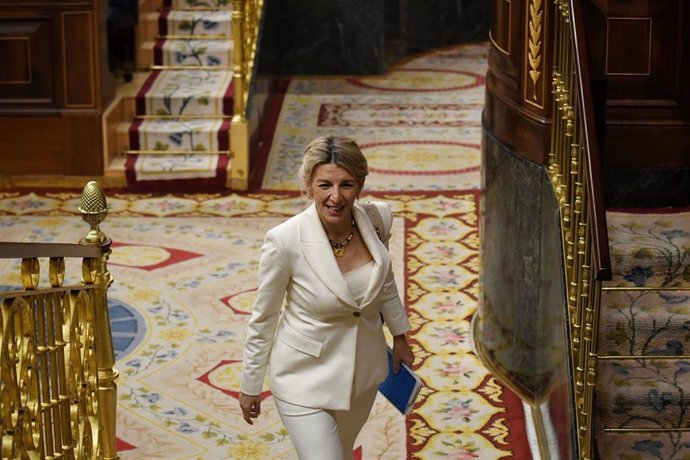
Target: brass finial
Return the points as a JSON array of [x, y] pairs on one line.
[[93, 211]]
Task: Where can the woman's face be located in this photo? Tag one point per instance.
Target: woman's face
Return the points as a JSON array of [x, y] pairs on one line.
[[334, 191]]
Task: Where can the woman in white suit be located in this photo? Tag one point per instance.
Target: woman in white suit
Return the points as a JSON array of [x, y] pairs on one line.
[[325, 287]]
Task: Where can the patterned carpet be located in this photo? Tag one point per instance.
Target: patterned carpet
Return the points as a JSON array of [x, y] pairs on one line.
[[185, 267], [419, 125]]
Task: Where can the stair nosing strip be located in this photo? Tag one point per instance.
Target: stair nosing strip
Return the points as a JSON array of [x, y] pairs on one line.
[[189, 67], [191, 37], [643, 288], [183, 117], [646, 430], [177, 152], [632, 357], [201, 8]]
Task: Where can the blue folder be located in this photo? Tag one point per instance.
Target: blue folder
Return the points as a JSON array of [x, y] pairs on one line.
[[400, 389]]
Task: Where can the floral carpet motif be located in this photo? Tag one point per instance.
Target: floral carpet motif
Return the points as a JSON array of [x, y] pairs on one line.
[[419, 124], [646, 322], [184, 269], [650, 249]]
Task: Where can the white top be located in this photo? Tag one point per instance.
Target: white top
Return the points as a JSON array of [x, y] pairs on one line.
[[358, 280]]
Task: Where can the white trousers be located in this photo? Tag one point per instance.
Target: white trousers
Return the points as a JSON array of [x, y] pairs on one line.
[[321, 434]]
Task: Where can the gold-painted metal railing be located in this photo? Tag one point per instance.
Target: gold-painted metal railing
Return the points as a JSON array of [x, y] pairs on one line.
[[246, 21], [575, 175], [57, 380]]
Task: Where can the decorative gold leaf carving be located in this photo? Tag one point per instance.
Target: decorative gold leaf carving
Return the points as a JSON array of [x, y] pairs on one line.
[[534, 49], [536, 15], [534, 75]]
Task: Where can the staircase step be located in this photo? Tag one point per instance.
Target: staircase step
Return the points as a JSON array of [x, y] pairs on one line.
[[671, 446], [192, 53], [195, 23], [643, 393], [184, 52], [644, 323], [162, 172], [186, 92], [153, 25], [198, 135], [145, 57], [147, 27], [197, 4], [649, 249]]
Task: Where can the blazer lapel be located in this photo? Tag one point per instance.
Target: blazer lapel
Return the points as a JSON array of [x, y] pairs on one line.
[[378, 252], [319, 255]]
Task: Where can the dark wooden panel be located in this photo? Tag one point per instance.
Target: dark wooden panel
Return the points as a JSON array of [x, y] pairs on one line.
[[643, 52], [629, 48], [78, 64], [15, 60], [647, 146], [26, 70], [65, 146], [52, 125]]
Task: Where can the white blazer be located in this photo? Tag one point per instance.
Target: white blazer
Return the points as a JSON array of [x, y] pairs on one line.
[[321, 348]]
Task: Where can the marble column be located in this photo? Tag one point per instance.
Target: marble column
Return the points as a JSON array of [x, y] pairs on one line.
[[520, 329], [323, 37], [428, 24], [362, 37]]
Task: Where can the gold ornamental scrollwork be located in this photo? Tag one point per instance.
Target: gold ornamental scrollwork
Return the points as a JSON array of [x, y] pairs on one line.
[[534, 52]]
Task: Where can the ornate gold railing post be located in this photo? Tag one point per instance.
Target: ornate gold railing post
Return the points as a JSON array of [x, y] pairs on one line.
[[56, 358], [239, 129], [574, 174], [246, 19], [94, 210]]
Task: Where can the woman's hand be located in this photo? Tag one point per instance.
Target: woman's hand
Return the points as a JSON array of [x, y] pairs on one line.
[[401, 352], [251, 407]]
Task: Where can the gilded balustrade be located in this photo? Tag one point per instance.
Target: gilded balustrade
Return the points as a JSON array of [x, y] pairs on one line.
[[572, 160], [246, 20], [57, 380]]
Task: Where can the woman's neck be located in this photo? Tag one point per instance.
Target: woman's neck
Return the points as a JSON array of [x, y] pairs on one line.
[[340, 231]]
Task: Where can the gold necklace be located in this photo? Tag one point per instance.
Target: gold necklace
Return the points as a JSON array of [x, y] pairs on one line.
[[339, 248]]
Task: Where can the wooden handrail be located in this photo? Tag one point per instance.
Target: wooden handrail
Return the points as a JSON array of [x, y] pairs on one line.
[[35, 250], [600, 245]]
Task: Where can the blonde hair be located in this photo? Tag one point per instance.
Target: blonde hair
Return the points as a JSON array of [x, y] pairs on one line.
[[336, 150]]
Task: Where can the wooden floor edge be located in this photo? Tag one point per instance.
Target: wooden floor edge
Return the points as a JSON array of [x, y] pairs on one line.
[[66, 182]]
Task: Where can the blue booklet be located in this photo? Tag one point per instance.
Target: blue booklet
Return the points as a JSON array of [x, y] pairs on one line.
[[400, 389]]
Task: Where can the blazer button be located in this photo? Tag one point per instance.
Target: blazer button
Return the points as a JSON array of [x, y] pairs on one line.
[[356, 314]]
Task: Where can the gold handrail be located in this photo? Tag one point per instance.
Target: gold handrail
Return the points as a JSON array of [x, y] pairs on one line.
[[246, 20], [56, 362], [575, 175]]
